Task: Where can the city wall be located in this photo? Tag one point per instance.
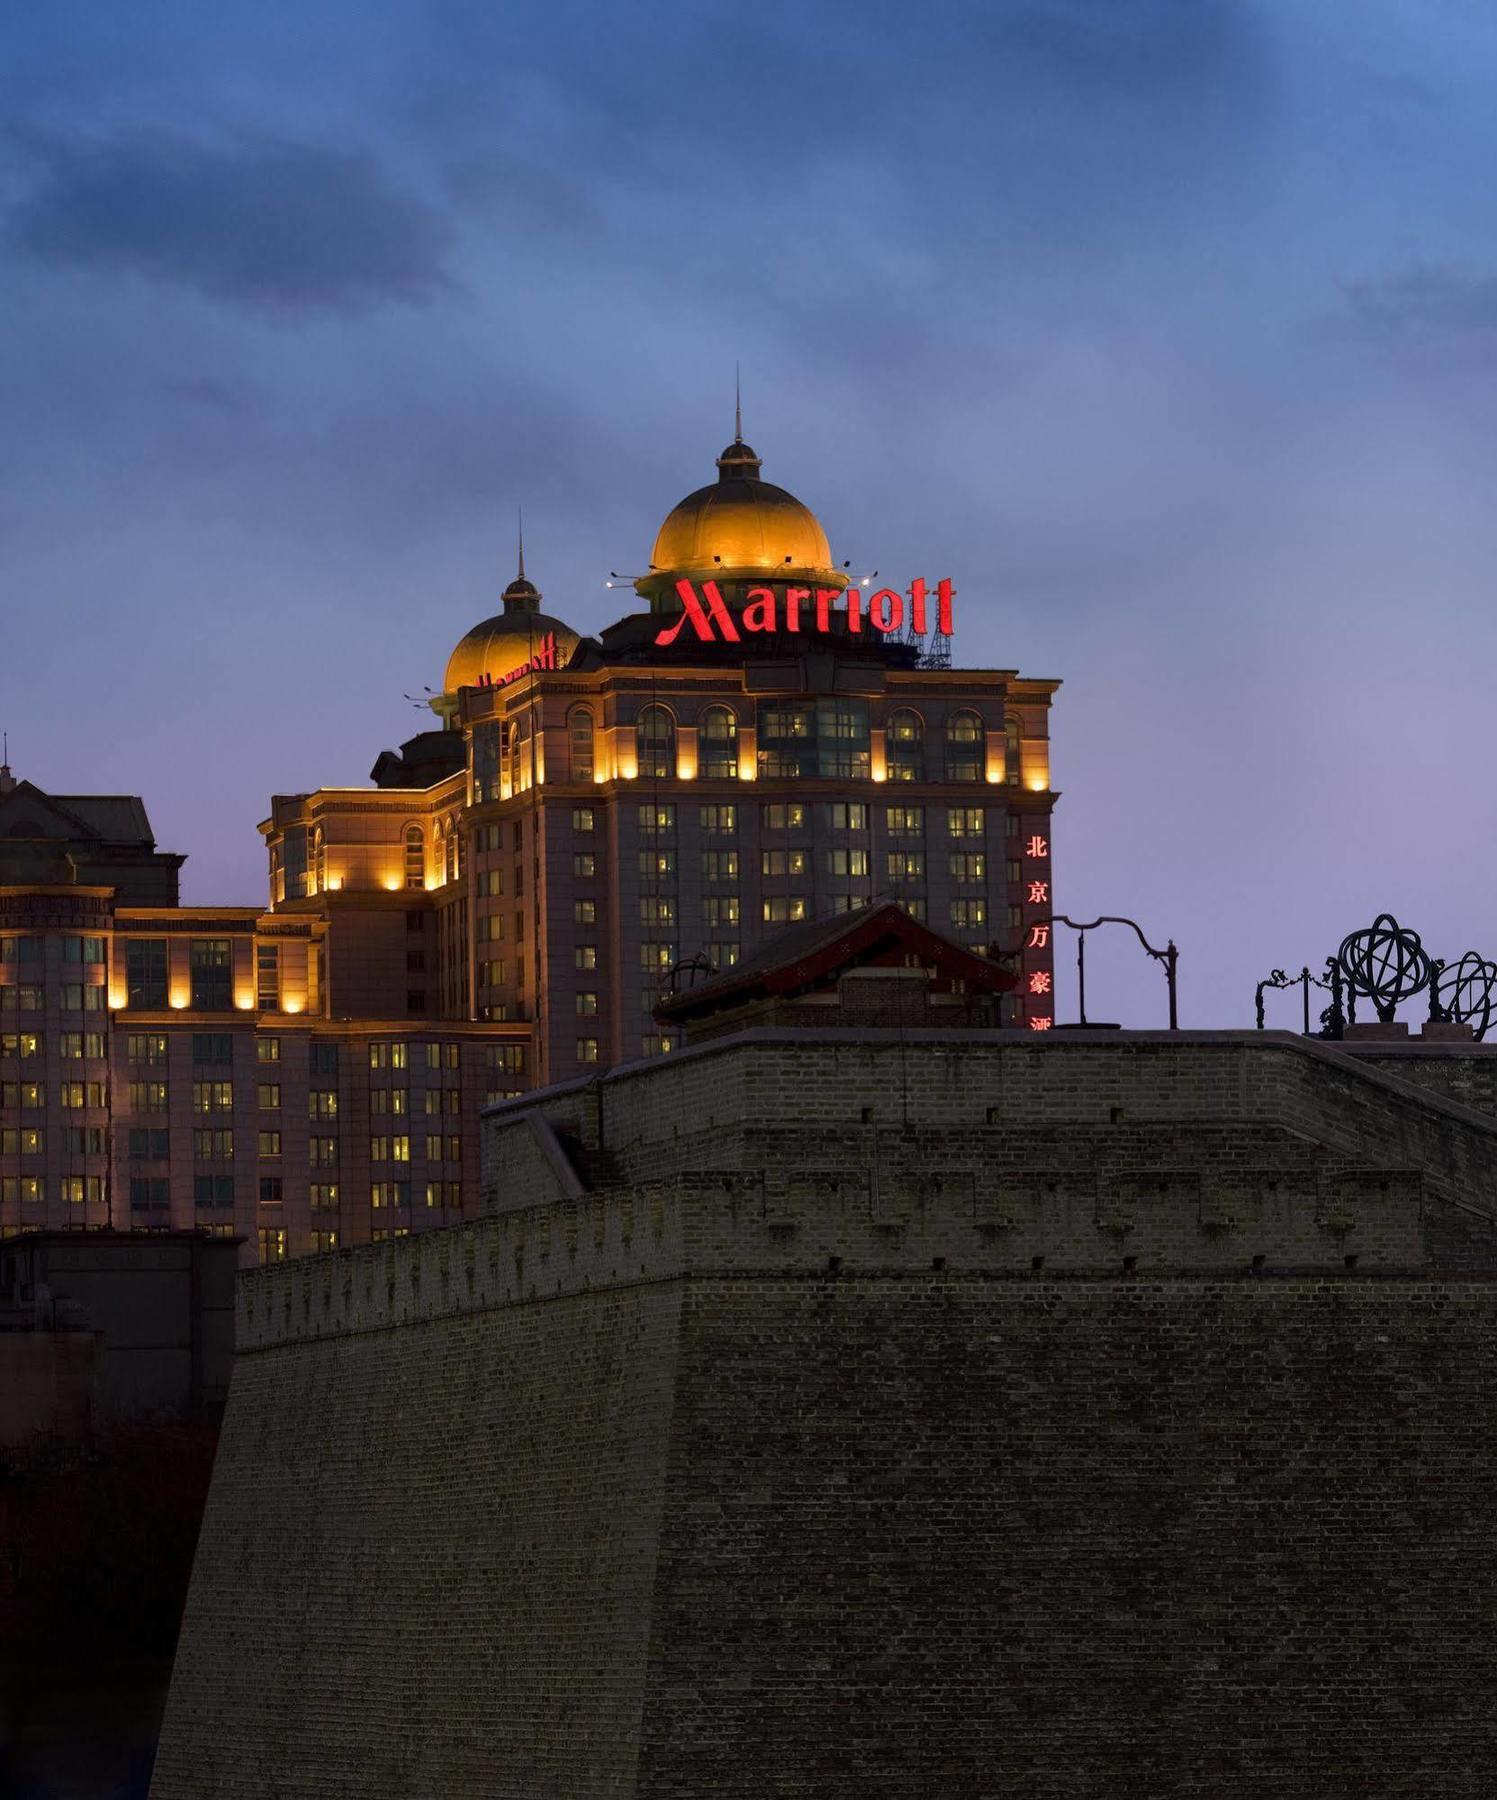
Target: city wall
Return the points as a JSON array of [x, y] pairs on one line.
[[779, 1479]]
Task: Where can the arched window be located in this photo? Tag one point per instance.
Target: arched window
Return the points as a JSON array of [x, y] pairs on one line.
[[452, 850], [717, 743], [904, 746], [964, 747], [319, 861], [415, 857], [580, 743], [1013, 751], [655, 732]]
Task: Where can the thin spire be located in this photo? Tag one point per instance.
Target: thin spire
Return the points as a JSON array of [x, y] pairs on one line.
[[737, 405], [520, 517]]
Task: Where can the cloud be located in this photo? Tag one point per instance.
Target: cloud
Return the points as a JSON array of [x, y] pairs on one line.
[[1425, 304], [270, 225]]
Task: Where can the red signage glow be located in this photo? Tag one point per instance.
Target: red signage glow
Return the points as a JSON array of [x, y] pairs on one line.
[[544, 658], [805, 609]]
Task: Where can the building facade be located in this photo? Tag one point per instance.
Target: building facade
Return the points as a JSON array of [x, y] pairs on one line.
[[591, 822]]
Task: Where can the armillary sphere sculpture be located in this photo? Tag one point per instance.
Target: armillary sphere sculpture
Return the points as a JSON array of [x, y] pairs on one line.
[[1467, 991], [1386, 963]]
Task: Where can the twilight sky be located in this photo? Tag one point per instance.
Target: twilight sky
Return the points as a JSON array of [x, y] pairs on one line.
[[1168, 328]]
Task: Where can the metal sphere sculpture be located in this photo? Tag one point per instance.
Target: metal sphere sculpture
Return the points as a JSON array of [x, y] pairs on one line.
[[1385, 963], [1467, 991]]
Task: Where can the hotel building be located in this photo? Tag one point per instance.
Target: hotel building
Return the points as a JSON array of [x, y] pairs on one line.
[[591, 822]]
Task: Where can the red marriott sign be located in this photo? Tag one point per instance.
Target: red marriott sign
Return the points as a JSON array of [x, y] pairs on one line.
[[544, 658], [805, 609]]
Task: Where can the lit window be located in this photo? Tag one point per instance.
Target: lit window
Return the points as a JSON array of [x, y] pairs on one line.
[[717, 744], [587, 1050]]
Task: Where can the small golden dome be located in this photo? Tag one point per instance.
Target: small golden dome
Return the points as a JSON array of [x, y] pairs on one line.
[[504, 644], [741, 528]]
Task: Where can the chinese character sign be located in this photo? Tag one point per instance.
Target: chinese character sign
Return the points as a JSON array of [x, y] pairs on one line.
[[1037, 976]]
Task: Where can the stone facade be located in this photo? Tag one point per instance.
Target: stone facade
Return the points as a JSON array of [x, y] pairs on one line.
[[828, 1414]]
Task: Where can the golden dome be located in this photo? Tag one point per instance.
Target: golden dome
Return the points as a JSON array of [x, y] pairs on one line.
[[741, 528], [501, 646]]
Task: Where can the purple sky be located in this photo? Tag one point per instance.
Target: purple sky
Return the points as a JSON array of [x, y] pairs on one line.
[[1166, 327]]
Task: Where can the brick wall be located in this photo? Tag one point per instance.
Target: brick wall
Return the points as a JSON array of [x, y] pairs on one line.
[[754, 1446]]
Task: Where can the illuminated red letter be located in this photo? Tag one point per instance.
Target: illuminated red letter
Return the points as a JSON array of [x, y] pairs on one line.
[[917, 604], [758, 615], [886, 611], [854, 603], [945, 594], [824, 599], [793, 598], [1037, 846], [700, 623], [1039, 893]]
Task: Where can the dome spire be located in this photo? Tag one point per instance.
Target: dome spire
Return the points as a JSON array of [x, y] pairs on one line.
[[738, 462], [521, 595], [737, 404]]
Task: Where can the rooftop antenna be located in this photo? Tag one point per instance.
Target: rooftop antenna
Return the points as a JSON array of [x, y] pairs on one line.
[[737, 404], [520, 518]]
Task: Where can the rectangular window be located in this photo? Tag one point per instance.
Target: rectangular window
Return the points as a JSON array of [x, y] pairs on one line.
[[657, 864], [85, 1140], [268, 1050], [24, 1045], [27, 1141], [149, 1146], [587, 1050], [722, 955], [965, 821], [324, 1060], [271, 1188], [212, 1047], [510, 1057], [784, 909], [433, 1148], [268, 977], [843, 815], [904, 821], [657, 909], [847, 862], [782, 862], [587, 1006], [148, 1193], [322, 1196], [582, 818], [268, 1094], [78, 1094], [146, 1047], [28, 999], [270, 1143], [657, 957], [212, 1146], [717, 819], [719, 865], [272, 1243], [657, 1043], [212, 1096], [322, 1152], [720, 909], [493, 972], [905, 865], [322, 1241], [211, 967], [145, 973], [585, 956], [969, 865], [213, 1190], [585, 912], [790, 816], [657, 821], [70, 1046], [968, 913], [390, 1193], [584, 865], [148, 1097]]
